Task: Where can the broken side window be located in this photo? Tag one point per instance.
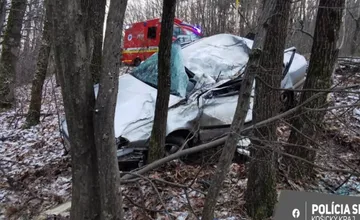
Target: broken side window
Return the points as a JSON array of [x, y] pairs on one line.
[[229, 88]]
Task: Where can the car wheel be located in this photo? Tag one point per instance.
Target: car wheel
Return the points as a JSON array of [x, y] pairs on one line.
[[288, 100], [174, 143], [137, 62]]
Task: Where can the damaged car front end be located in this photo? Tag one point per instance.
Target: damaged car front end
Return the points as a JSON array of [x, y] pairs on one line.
[[206, 77]]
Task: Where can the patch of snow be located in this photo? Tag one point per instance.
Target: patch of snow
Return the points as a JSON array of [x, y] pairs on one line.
[[356, 113], [30, 157]]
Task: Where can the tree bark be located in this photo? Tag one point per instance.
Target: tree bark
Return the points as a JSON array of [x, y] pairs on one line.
[[98, 22], [27, 27], [237, 125], [33, 115], [111, 199], [158, 134], [354, 13], [228, 151], [9, 56], [261, 195], [2, 14], [355, 45], [74, 40], [322, 61]]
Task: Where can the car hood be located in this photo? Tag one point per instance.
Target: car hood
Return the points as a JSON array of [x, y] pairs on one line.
[[135, 107]]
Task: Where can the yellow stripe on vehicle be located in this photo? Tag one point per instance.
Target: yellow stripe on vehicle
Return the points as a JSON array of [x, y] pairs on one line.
[[140, 51], [127, 61]]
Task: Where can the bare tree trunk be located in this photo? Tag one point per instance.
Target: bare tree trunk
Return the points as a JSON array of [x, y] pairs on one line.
[[99, 16], [2, 14], [261, 195], [38, 26], [52, 64], [27, 27], [9, 53], [237, 125], [74, 40], [33, 116], [355, 44], [353, 14], [96, 190], [322, 60], [111, 199], [158, 134]]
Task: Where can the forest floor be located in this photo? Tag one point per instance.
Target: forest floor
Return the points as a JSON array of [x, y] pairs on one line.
[[35, 171]]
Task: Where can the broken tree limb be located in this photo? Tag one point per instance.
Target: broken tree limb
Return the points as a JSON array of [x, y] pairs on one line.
[[335, 170], [174, 156], [333, 89]]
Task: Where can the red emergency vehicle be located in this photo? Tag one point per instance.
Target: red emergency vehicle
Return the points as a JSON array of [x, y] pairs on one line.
[[142, 39]]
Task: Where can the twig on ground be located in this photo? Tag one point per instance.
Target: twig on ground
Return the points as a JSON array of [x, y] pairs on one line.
[[9, 180], [189, 203], [143, 201], [154, 187], [345, 181], [139, 206]]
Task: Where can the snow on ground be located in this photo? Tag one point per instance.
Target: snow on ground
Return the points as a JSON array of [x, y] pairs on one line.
[[176, 200], [35, 171], [341, 149], [33, 166]]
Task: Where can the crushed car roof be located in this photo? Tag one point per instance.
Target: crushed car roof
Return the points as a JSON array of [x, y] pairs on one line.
[[224, 56]]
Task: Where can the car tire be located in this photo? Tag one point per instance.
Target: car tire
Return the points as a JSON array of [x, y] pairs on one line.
[[288, 100], [137, 62], [174, 143]]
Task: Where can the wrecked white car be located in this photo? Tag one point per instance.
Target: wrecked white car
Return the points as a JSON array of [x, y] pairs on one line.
[[205, 82]]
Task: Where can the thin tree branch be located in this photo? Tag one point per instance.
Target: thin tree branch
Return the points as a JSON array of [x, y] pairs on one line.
[[355, 173], [334, 89], [139, 206], [154, 187]]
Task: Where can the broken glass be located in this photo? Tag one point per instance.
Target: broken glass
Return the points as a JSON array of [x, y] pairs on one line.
[[147, 72]]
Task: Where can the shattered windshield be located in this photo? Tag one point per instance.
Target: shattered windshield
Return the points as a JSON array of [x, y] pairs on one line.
[[147, 72]]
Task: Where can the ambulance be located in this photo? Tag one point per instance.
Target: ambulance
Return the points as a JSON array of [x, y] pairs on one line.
[[141, 39]]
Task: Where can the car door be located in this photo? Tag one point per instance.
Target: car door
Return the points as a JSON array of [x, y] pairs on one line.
[[218, 109]]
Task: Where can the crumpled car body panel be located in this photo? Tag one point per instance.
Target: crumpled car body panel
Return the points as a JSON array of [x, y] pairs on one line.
[[220, 56], [297, 71], [216, 63], [223, 56], [220, 111], [135, 106]]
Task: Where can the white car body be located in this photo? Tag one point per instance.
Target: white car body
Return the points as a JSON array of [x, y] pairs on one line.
[[213, 62]]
